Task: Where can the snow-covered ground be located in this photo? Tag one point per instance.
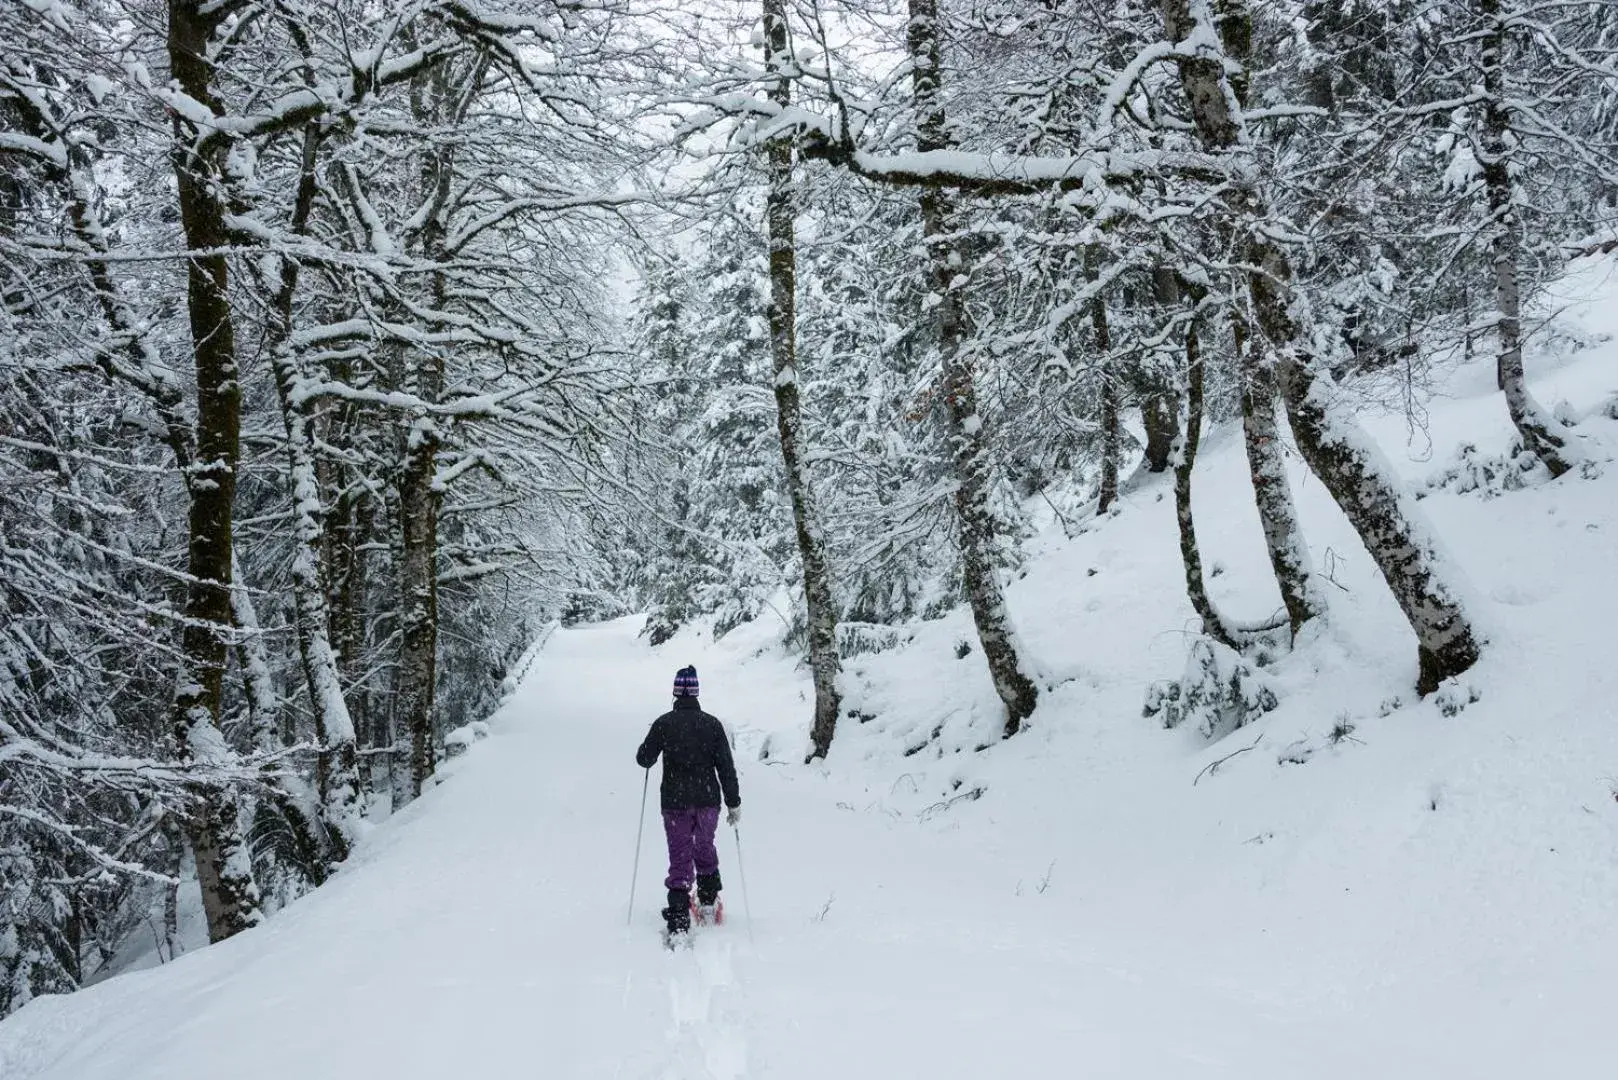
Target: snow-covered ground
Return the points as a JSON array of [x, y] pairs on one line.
[[1429, 897]]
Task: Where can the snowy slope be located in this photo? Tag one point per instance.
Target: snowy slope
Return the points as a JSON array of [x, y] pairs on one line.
[[1429, 898]]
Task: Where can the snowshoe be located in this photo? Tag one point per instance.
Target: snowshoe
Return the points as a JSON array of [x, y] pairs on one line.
[[708, 914], [706, 908]]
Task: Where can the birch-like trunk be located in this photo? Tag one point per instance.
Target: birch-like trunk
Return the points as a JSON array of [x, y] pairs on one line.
[[1345, 460], [230, 897], [1185, 461], [948, 278], [337, 779], [1283, 533], [781, 212], [1541, 432]]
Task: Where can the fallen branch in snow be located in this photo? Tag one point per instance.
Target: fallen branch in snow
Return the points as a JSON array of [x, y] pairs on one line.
[[1213, 766]]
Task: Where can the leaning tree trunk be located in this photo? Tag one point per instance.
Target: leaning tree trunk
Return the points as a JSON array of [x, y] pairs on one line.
[[230, 898], [1330, 440], [780, 212], [1190, 552], [948, 274], [337, 779], [1283, 533], [1541, 432]]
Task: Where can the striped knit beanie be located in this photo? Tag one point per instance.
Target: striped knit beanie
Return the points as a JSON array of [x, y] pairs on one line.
[[685, 682]]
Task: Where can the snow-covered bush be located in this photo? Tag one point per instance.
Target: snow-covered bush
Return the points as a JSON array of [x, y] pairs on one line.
[[460, 740], [1219, 692], [1490, 475]]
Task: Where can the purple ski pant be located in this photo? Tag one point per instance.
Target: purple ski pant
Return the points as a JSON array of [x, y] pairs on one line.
[[690, 834]]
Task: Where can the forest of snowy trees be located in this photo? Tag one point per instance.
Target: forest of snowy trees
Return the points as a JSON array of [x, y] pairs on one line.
[[345, 344]]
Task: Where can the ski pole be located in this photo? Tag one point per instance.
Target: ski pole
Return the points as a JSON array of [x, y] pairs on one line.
[[747, 905], [634, 876]]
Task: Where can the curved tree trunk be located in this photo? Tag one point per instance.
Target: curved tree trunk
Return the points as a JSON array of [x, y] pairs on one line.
[[780, 212], [1184, 461], [1541, 433], [1283, 534], [947, 267], [1329, 439], [230, 898]]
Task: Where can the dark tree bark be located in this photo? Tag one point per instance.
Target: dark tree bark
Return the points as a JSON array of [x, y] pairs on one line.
[[1107, 405], [1541, 433], [781, 212], [230, 898], [948, 278], [1283, 533], [1330, 441], [418, 584], [433, 102]]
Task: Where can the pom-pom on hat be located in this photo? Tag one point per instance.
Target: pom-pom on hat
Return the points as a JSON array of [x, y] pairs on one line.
[[685, 682]]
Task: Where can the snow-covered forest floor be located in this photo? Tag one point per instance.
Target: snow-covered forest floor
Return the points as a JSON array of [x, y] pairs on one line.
[[1422, 895]]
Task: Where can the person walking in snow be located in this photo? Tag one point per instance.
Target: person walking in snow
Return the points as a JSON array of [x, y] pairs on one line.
[[697, 770]]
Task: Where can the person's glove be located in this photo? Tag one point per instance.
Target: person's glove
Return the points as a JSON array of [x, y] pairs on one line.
[[734, 816]]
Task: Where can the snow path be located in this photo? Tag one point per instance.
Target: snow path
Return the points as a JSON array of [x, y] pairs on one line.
[[482, 934]]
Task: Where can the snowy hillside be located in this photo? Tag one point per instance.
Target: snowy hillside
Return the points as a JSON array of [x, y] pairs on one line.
[[1427, 892]]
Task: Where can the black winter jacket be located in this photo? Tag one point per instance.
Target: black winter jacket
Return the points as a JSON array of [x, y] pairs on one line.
[[696, 757]]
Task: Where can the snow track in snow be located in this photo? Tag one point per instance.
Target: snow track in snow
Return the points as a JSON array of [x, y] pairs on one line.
[[706, 1035]]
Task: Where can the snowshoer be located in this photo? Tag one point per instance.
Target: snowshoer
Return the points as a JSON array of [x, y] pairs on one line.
[[697, 770]]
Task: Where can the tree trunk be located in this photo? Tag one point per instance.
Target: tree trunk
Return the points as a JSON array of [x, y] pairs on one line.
[[1329, 439], [337, 780], [1541, 432], [1190, 552], [174, 839], [781, 212], [420, 498], [948, 277], [1107, 398], [1283, 533], [230, 897], [1159, 416], [418, 585], [347, 530], [254, 660]]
